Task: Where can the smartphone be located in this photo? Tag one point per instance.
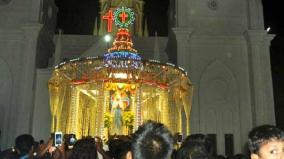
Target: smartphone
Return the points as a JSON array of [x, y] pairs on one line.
[[179, 139], [72, 139], [58, 139], [69, 140]]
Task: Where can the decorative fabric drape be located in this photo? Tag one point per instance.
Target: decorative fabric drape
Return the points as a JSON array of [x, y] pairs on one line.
[[56, 98]]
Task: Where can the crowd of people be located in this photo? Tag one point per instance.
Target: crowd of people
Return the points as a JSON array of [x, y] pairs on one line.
[[152, 140]]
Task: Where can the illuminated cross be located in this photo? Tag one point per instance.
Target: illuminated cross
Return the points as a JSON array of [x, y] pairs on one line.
[[109, 18], [123, 17]]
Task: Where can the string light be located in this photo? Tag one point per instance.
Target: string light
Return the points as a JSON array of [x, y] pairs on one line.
[[122, 55], [120, 16]]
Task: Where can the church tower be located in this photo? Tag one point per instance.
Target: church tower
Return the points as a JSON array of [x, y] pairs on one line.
[[135, 5]]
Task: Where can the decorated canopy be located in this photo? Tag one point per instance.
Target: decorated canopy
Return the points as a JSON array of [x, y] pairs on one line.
[[116, 93]]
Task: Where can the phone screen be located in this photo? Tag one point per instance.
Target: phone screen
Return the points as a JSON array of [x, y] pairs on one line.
[[58, 139], [179, 139], [72, 141]]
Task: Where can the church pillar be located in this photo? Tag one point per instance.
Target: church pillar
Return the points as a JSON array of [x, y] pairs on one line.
[[258, 43], [182, 7], [26, 104], [58, 49], [255, 14], [182, 36]]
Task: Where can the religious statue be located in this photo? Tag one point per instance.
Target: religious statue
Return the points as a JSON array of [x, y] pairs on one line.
[[119, 102]]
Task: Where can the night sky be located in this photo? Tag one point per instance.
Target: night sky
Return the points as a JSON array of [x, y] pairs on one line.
[[77, 17], [273, 18]]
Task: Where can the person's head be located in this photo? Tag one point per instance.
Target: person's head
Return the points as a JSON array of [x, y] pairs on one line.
[[192, 150], [152, 141], [69, 141], [84, 148], [266, 142], [24, 144], [119, 147], [202, 139], [238, 156], [9, 154]]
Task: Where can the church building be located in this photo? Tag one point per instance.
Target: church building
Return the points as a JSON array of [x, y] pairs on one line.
[[222, 45]]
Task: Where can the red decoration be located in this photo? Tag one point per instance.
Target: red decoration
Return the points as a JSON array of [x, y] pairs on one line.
[[122, 42], [109, 17], [78, 81], [123, 17]]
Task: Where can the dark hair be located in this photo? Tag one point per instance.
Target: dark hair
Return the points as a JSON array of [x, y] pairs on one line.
[[152, 140], [261, 135], [192, 150], [238, 156], [84, 149], [119, 146], [24, 143], [9, 154], [41, 141], [202, 139], [220, 157]]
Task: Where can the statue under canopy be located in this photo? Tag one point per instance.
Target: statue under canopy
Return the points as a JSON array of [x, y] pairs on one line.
[[119, 103]]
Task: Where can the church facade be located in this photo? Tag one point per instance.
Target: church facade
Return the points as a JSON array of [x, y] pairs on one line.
[[221, 44]]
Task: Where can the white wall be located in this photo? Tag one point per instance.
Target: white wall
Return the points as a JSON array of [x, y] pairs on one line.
[[11, 51], [41, 114], [228, 65], [6, 84], [219, 72]]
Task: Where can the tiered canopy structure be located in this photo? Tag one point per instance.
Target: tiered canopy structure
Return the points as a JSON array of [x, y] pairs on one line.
[[116, 93]]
